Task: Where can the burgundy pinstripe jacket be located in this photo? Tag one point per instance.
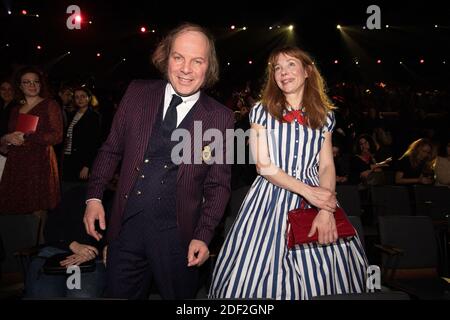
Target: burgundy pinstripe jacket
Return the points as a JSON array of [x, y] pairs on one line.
[[202, 190]]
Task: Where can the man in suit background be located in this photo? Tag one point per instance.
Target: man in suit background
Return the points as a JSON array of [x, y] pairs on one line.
[[164, 215]]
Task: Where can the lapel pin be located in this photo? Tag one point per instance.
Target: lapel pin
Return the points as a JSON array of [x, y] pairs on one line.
[[206, 153]]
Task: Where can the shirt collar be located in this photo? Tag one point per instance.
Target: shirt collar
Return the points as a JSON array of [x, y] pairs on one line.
[[192, 98]]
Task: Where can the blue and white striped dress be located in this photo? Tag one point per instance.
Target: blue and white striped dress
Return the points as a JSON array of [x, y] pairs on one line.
[[254, 261]]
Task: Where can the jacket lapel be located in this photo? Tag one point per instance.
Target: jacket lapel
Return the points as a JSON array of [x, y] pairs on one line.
[[201, 110], [152, 100]]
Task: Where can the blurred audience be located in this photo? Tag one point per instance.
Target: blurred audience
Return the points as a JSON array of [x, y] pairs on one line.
[[7, 94], [341, 164], [82, 138], [364, 168], [414, 167], [65, 98], [30, 181], [442, 164]]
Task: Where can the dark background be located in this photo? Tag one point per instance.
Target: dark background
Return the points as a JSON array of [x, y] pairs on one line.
[[115, 34]]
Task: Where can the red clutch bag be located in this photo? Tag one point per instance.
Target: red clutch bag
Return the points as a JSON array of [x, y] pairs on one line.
[[27, 123], [300, 222]]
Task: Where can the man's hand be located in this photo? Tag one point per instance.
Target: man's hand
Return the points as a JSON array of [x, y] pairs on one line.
[[198, 253], [94, 211]]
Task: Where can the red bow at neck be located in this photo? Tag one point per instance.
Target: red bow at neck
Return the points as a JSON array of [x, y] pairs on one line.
[[294, 114]]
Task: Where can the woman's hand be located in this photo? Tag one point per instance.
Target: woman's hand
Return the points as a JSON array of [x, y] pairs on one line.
[[341, 179], [325, 224], [385, 163], [15, 138], [321, 198], [425, 180], [378, 167], [84, 173], [74, 260], [88, 252], [365, 174]]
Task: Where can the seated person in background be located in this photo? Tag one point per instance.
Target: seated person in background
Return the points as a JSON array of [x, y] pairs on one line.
[[65, 233], [383, 141], [442, 164], [7, 102], [243, 172], [341, 163], [364, 169], [414, 166]]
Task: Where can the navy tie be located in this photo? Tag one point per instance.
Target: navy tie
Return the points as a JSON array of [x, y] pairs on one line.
[[170, 120]]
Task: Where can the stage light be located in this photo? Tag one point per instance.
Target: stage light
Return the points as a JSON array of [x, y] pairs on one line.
[[387, 26], [233, 27], [250, 62], [68, 52], [338, 27], [356, 62], [270, 28], [90, 22], [37, 16], [336, 61], [124, 59], [143, 29], [9, 12], [228, 63], [7, 44], [401, 62], [244, 28], [153, 30], [379, 61], [364, 28], [422, 61], [78, 18], [291, 27], [24, 12], [444, 62], [435, 25], [98, 54], [38, 47]]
